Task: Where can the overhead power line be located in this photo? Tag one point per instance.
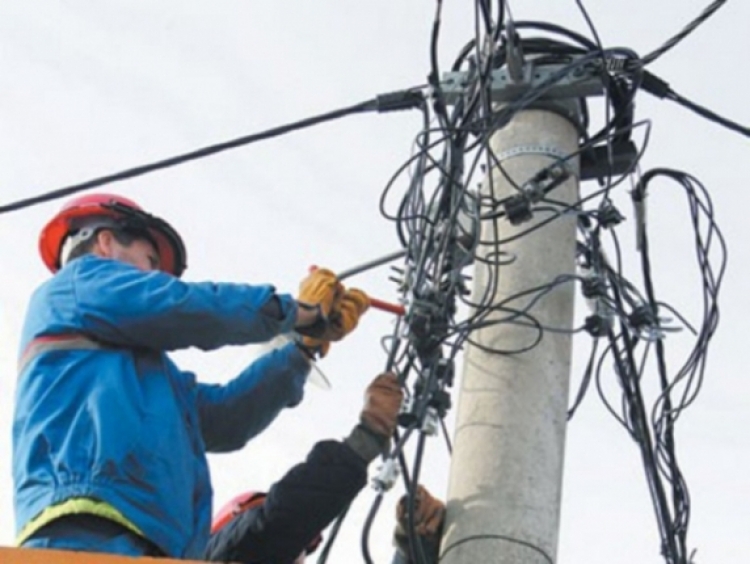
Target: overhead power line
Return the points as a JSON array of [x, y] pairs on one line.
[[395, 101], [707, 13], [661, 89]]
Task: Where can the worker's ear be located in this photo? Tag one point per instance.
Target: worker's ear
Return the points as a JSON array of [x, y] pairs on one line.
[[104, 244]]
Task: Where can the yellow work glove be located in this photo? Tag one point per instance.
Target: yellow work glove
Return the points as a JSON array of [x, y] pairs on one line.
[[343, 318], [319, 291]]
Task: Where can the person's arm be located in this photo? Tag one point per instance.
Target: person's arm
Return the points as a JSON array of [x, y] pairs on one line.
[[300, 505], [310, 496], [233, 413], [429, 517], [123, 306]]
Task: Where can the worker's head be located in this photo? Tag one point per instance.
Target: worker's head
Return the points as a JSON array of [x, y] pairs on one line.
[[245, 502], [113, 227]]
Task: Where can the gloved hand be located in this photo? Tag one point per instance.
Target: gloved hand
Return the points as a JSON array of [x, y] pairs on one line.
[[318, 293], [320, 289], [342, 320], [429, 513], [383, 399]]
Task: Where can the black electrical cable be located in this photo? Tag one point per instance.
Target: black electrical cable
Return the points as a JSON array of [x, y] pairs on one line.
[[673, 472], [711, 280], [387, 102], [367, 526], [398, 451], [639, 425], [415, 545], [585, 381], [707, 13], [609, 89], [185, 157], [446, 435], [709, 114], [332, 535], [659, 459], [661, 89]]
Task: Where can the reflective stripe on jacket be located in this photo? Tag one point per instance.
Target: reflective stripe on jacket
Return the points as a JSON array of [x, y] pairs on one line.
[[122, 423]]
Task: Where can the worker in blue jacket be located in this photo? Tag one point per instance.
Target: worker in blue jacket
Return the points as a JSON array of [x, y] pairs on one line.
[[109, 435]]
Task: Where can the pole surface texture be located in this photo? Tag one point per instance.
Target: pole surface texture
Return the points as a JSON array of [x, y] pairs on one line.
[[506, 470]]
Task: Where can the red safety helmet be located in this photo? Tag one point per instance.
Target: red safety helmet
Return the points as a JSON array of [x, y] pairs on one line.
[[110, 210], [244, 502], [238, 504]]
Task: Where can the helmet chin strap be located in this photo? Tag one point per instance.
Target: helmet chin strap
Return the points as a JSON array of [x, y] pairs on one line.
[[84, 233], [80, 236], [72, 241]]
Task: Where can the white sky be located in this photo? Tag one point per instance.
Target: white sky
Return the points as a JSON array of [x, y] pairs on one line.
[[89, 88]]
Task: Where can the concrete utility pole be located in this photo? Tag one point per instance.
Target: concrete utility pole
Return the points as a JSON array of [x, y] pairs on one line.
[[506, 474]]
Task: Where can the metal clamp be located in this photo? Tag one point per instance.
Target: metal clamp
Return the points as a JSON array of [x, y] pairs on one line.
[[562, 159], [387, 476]]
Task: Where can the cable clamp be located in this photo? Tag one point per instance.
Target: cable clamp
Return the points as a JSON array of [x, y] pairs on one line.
[[387, 475], [644, 321], [518, 209], [598, 324], [594, 286], [609, 216], [406, 416], [431, 422]]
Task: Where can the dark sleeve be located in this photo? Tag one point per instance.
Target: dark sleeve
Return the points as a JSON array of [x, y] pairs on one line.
[[299, 506]]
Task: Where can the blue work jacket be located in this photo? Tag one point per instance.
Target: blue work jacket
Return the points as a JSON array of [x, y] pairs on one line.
[[121, 423]]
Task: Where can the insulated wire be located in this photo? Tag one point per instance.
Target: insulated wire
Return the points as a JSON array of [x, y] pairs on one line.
[[707, 13], [140, 170]]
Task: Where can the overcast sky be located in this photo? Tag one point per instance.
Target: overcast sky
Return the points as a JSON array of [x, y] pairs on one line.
[[89, 88]]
